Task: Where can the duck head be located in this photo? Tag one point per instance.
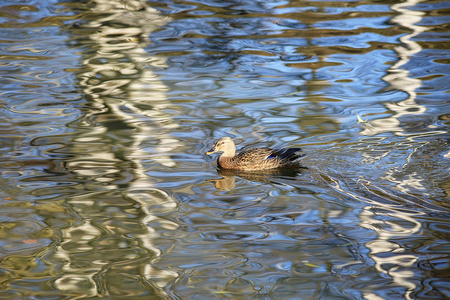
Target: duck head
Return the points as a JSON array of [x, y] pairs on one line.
[[225, 145]]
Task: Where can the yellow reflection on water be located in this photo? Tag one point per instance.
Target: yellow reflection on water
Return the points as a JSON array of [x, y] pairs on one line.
[[389, 257], [117, 65], [397, 77]]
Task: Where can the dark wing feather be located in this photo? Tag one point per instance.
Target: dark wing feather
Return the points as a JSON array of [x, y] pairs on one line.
[[287, 154]]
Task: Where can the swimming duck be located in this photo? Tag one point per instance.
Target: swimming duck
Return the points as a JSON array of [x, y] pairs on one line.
[[254, 159]]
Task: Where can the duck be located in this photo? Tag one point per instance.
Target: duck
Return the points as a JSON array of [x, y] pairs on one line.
[[254, 159]]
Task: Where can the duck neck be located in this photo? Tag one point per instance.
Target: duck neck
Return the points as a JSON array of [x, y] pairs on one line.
[[228, 153], [223, 161]]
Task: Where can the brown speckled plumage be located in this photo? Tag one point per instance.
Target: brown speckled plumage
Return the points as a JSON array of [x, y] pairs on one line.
[[254, 158]]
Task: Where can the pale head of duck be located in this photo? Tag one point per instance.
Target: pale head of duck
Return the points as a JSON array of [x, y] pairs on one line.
[[225, 145]]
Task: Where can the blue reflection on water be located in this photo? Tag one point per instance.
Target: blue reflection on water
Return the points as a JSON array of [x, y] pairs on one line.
[[109, 106]]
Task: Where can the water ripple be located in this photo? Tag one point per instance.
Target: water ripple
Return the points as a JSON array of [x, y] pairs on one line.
[[109, 106]]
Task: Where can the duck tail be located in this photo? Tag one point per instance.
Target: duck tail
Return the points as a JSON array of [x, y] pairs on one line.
[[288, 154]]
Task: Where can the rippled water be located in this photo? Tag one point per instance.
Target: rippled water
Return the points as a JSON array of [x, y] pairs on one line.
[[109, 106]]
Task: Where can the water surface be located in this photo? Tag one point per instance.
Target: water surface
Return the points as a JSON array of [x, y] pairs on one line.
[[109, 106]]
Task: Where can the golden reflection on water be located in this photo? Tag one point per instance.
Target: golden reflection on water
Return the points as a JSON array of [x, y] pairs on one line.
[[390, 221], [119, 53], [398, 77], [137, 210], [388, 256]]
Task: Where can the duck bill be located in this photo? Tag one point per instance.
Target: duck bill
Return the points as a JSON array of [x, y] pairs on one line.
[[211, 151]]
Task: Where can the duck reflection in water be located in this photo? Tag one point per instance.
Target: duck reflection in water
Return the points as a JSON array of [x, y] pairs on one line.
[[255, 164], [228, 180]]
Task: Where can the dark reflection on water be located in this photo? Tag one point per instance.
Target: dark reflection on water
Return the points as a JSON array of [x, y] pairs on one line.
[[228, 180], [108, 107]]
